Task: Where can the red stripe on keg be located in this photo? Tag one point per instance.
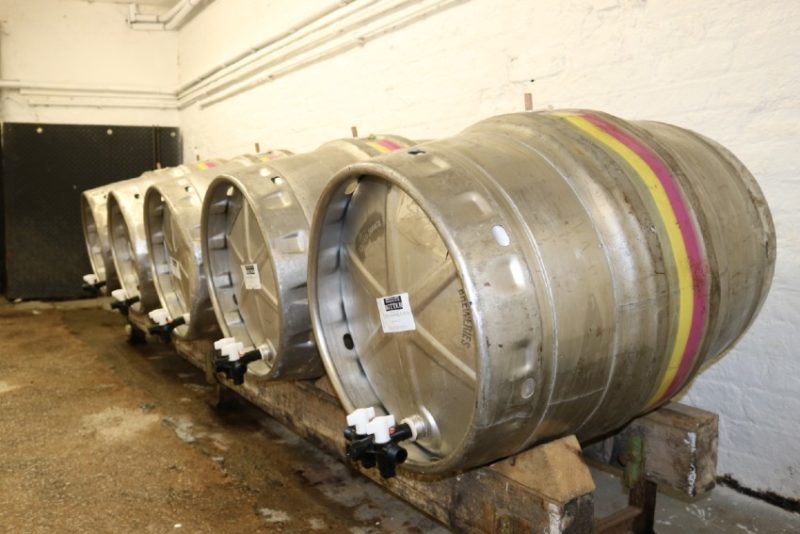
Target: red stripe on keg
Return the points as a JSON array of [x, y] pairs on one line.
[[691, 243], [391, 145]]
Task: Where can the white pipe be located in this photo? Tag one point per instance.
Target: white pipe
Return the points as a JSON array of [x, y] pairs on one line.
[[148, 26], [159, 98], [263, 44], [168, 16], [259, 54], [21, 84], [181, 15], [336, 49], [135, 16], [93, 94], [283, 58], [144, 104], [171, 20]]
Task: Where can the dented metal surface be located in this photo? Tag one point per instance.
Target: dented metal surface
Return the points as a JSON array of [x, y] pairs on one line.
[[94, 220], [172, 227], [564, 271], [255, 245], [127, 238]]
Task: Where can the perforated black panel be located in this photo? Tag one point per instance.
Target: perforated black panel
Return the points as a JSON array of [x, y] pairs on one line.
[[168, 148], [45, 168]]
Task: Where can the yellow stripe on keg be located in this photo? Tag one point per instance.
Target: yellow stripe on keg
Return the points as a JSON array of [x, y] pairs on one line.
[[690, 283], [380, 148]]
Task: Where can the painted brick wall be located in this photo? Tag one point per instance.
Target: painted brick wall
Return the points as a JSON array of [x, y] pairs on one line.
[[87, 43], [726, 68]]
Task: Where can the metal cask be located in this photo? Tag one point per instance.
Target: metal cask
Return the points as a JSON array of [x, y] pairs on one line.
[[172, 212], [255, 248], [537, 275], [94, 220], [127, 238]]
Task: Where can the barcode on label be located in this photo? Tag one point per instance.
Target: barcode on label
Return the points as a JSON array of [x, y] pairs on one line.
[[252, 280], [395, 313], [393, 303]]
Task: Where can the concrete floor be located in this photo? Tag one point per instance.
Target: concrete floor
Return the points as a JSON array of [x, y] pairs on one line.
[[100, 436]]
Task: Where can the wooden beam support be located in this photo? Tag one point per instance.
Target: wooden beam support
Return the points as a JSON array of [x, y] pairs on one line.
[[680, 448], [544, 488], [547, 488]]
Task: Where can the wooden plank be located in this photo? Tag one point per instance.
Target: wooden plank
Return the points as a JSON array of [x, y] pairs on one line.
[[552, 471], [547, 488], [139, 320], [637, 517], [680, 448], [199, 353]]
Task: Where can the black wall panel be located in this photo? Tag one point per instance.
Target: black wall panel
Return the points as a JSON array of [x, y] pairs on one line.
[[45, 169]]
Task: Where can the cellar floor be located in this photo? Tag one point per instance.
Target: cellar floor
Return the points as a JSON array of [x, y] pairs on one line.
[[98, 436]]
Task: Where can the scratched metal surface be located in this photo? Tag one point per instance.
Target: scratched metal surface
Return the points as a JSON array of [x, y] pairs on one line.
[[544, 276], [258, 219]]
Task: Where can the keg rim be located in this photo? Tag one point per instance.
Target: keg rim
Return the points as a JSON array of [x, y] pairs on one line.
[[223, 183], [91, 233], [119, 218], [177, 305], [334, 191]]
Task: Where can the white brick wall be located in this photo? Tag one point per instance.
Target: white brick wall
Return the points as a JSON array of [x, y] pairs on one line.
[[87, 43], [729, 69]]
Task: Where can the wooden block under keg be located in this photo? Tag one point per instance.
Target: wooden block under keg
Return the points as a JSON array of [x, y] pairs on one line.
[[680, 447]]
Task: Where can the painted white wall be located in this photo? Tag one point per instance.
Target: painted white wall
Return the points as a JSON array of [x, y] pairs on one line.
[[729, 69], [75, 41]]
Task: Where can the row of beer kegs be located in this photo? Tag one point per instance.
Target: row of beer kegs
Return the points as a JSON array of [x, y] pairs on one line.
[[475, 286]]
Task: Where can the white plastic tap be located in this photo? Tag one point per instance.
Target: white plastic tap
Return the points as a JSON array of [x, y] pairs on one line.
[[360, 419], [229, 348], [218, 344], [90, 279], [160, 316], [232, 350], [119, 294], [379, 427]]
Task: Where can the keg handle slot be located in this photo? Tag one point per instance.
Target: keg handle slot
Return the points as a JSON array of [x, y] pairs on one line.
[[374, 440], [232, 361], [92, 284], [163, 326], [122, 302]]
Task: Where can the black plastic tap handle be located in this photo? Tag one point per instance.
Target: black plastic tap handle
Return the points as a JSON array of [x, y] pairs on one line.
[[124, 305], [251, 356], [93, 289], [165, 330], [387, 456], [235, 370]]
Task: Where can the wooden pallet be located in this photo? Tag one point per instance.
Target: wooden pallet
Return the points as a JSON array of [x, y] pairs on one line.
[[548, 488]]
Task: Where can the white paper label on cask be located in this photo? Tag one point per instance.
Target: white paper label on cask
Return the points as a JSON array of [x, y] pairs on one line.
[[395, 313], [252, 280]]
